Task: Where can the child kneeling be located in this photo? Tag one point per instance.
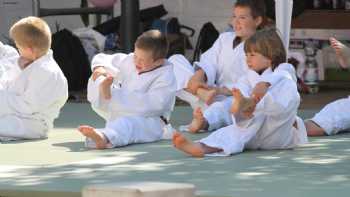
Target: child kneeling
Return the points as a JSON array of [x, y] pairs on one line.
[[134, 93]]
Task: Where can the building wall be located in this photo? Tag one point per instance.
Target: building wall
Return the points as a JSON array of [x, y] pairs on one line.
[[192, 13]]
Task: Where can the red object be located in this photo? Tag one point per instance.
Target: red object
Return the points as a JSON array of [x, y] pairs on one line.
[[103, 3]]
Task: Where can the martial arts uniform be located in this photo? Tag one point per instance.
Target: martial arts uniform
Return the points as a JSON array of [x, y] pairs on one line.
[[222, 64], [334, 117], [139, 103], [272, 124], [218, 114], [30, 98]]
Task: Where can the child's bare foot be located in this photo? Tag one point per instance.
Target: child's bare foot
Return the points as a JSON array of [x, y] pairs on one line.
[[340, 50], [105, 88], [237, 102], [241, 105], [198, 121], [181, 143], [312, 129], [207, 95], [97, 137]]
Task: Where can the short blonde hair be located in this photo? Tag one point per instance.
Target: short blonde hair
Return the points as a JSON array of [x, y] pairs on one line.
[[268, 43], [32, 32]]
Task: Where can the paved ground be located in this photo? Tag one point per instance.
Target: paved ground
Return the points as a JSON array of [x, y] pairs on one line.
[[61, 166]]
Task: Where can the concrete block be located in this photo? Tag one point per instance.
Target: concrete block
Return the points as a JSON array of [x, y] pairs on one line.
[[139, 189]]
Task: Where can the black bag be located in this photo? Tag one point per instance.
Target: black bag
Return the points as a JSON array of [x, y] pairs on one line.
[[178, 39], [72, 59], [206, 38]]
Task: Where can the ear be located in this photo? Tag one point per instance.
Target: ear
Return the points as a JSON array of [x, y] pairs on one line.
[[159, 62], [258, 21]]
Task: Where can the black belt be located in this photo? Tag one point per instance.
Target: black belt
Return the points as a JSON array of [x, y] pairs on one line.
[[164, 120]]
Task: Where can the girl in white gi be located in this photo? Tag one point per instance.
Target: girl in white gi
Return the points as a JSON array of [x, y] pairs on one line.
[[220, 67], [33, 88], [134, 93], [273, 124], [335, 116]]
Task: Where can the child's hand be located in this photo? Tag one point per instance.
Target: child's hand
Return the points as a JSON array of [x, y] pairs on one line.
[[98, 71], [340, 51], [248, 110], [260, 90], [194, 85]]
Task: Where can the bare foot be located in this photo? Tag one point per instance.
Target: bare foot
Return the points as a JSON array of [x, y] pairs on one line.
[[105, 88], [242, 106], [207, 95], [97, 137], [181, 143], [339, 51], [198, 121], [312, 129]]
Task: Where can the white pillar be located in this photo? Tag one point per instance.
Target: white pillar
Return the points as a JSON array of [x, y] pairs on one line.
[[284, 10]]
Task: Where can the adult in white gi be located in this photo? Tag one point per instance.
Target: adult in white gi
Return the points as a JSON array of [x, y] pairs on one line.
[[33, 88], [335, 116], [140, 103], [224, 63]]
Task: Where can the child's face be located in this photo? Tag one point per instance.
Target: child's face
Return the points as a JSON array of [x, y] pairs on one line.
[[257, 62], [144, 60], [243, 22]]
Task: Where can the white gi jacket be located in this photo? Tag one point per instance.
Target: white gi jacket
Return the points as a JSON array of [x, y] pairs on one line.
[[138, 100], [272, 124], [31, 98], [222, 64]]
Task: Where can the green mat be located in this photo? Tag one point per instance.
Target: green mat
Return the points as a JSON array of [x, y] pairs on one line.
[[61, 166]]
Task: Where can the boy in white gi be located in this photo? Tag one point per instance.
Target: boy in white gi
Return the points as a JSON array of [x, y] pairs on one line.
[[33, 88], [335, 116], [273, 124], [212, 78], [134, 93]]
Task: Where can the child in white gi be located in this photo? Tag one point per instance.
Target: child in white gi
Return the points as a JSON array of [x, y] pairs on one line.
[[335, 116], [134, 92], [273, 124], [33, 88], [212, 78]]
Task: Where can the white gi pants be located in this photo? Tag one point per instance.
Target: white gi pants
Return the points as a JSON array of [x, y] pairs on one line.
[[132, 129], [334, 117]]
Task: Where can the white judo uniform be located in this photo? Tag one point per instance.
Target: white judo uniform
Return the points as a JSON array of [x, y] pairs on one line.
[[133, 114], [274, 116], [30, 98], [334, 117], [222, 64]]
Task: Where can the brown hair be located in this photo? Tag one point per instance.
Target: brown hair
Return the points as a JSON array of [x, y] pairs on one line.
[[32, 32], [155, 41], [257, 9], [268, 43]]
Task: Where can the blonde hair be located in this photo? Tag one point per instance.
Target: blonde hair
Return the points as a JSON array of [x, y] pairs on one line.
[[268, 43], [155, 41], [32, 32]]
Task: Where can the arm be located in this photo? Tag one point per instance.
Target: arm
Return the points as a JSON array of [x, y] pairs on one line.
[[105, 60], [7, 51], [283, 71], [103, 63], [281, 100], [39, 94], [155, 102], [209, 61]]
